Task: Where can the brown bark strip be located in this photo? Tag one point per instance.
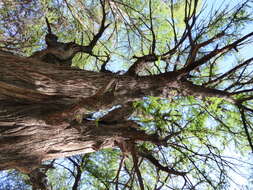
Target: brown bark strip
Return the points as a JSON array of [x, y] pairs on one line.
[[21, 93], [84, 106], [200, 91]]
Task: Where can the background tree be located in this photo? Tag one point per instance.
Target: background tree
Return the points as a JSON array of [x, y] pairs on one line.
[[167, 97]]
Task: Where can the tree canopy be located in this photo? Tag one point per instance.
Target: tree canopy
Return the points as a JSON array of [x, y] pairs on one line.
[[126, 94]]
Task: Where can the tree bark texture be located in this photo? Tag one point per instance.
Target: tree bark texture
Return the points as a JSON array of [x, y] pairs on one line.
[[39, 103]]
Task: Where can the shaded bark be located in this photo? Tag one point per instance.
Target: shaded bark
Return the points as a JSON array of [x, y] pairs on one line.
[[32, 92], [40, 103]]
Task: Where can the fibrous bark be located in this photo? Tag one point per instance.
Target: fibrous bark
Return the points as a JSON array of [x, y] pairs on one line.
[[40, 102], [36, 97]]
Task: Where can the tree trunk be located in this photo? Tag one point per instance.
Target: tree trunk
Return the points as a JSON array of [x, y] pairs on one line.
[[43, 105], [39, 102]]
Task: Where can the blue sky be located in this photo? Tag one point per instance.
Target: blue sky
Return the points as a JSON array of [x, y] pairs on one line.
[[246, 51]]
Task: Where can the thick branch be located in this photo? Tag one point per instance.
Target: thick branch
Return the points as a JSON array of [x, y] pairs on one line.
[[214, 53], [101, 29], [154, 161], [231, 71], [188, 88]]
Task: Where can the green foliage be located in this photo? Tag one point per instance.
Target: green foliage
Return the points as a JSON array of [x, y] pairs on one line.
[[205, 127]]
